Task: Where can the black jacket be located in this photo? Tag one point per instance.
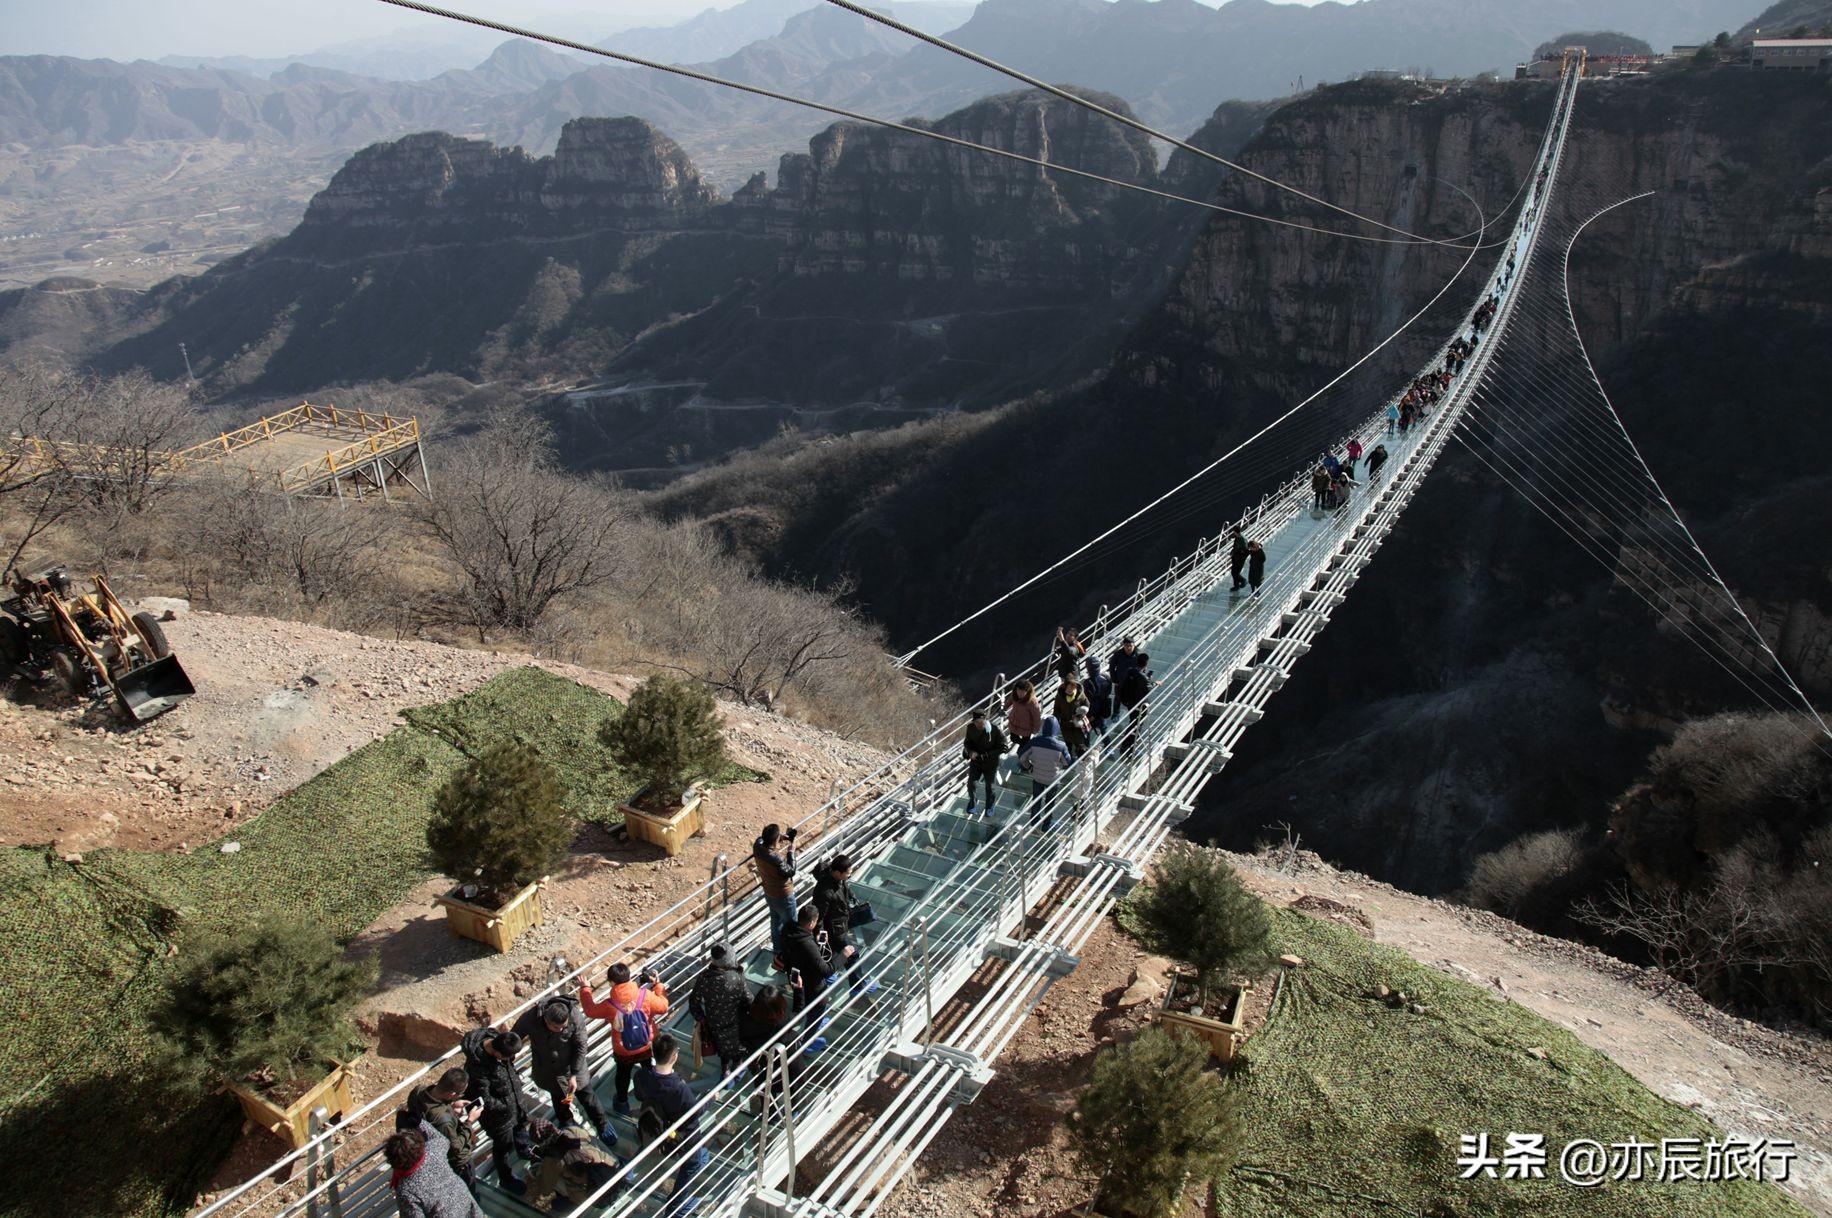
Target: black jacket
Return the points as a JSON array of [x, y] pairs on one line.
[[1133, 689], [833, 898], [555, 1057], [719, 999], [1256, 565], [422, 1105], [670, 1097], [1119, 666], [492, 1081], [984, 746], [1237, 556], [801, 950]]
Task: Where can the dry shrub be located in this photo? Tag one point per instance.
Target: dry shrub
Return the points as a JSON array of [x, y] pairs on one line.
[[513, 551]]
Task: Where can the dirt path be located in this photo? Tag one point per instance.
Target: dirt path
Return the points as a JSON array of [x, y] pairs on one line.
[[1748, 1080], [1006, 1154], [277, 702]]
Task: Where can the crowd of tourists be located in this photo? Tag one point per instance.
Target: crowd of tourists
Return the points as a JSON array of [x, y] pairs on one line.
[[575, 1151]]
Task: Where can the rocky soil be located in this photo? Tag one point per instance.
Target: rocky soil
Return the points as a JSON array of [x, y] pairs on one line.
[[279, 701], [1007, 1153]]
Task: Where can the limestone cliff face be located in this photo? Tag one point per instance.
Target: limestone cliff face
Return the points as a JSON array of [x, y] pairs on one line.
[[436, 187], [867, 200], [1487, 681], [882, 270], [621, 164]]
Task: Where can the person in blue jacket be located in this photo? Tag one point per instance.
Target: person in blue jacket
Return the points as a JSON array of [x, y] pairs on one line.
[[1044, 759]]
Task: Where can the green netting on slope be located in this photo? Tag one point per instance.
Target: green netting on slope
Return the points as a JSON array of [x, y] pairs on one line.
[[537, 708], [1354, 1109], [87, 942]]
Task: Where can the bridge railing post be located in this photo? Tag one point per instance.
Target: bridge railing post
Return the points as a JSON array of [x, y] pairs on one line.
[[788, 1119]]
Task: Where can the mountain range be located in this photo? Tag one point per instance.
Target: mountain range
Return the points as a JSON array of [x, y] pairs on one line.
[[1173, 61]]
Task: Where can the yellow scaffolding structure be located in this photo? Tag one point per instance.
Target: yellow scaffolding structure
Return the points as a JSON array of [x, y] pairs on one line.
[[305, 450]]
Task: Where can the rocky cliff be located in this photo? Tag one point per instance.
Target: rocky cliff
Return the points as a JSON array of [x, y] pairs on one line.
[[885, 275], [1461, 695]]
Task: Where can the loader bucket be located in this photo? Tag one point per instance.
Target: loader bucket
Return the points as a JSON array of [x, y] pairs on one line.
[[152, 689]]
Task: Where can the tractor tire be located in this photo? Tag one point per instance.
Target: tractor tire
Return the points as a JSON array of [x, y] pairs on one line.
[[13, 649], [68, 673], [153, 633]]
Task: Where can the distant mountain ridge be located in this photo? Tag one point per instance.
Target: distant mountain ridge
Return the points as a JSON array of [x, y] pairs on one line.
[[883, 269]]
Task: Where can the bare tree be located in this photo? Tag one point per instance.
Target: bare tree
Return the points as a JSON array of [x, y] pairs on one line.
[[281, 551], [521, 533], [1706, 937], [38, 406]]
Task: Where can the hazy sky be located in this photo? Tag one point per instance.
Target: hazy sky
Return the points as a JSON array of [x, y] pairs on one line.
[[148, 29]]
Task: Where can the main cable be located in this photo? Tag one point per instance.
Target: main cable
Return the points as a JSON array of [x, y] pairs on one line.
[[1457, 275], [433, 10]]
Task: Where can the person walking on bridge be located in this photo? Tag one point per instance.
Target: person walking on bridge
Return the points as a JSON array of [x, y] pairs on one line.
[[1256, 566], [1237, 560], [1100, 697], [442, 1105], [666, 1094], [982, 747], [489, 1059], [1353, 452], [776, 876], [1072, 715], [719, 999], [1123, 662], [425, 1186], [1023, 713], [634, 1008], [1132, 692], [1044, 759], [1319, 488], [1376, 459], [555, 1034], [1392, 417]]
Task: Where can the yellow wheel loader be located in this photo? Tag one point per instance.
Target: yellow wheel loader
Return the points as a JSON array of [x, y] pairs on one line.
[[89, 645]]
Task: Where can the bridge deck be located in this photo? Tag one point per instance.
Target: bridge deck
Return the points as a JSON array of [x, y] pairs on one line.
[[952, 892]]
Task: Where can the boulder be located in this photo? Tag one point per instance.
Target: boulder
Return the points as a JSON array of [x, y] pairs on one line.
[[165, 608]]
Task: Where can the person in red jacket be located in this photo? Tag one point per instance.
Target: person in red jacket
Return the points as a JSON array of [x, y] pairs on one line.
[[633, 1008]]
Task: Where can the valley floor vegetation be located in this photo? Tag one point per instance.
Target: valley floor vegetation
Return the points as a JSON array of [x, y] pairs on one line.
[[1716, 868], [512, 552]]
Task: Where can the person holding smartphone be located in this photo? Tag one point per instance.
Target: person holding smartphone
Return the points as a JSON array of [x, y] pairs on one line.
[[810, 965], [776, 874], [442, 1105]]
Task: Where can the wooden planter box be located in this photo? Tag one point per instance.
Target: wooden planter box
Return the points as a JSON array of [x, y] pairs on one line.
[[293, 1123], [497, 927], [1219, 1024], [670, 832]]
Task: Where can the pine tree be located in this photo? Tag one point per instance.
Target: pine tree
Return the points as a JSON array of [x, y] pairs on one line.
[[499, 822], [1152, 1121], [1196, 910], [268, 1003], [666, 735]]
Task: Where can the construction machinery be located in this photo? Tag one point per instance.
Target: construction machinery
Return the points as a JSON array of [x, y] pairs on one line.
[[88, 644]]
